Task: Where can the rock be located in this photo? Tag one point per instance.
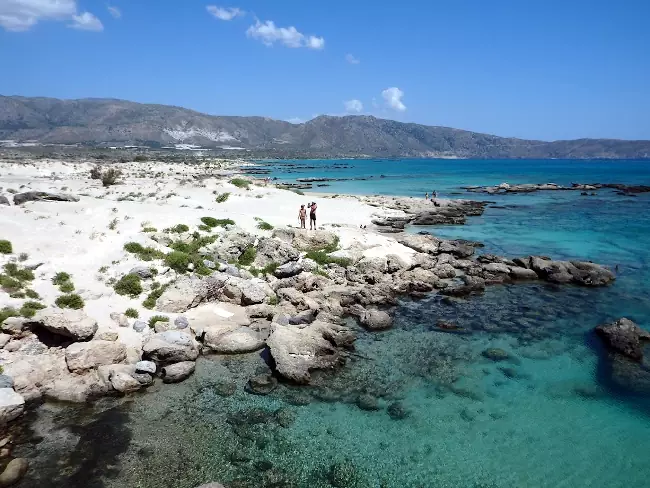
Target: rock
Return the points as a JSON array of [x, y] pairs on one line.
[[251, 294], [83, 356], [6, 381], [14, 472], [520, 273], [32, 196], [284, 417], [397, 411], [297, 349], [145, 379], [497, 268], [209, 264], [177, 372], [304, 317], [107, 335], [444, 270], [234, 339], [145, 367], [260, 311], [74, 324], [181, 322], [305, 240], [309, 265], [162, 326], [421, 243], [4, 338], [4, 200], [578, 272], [624, 337], [12, 405], [262, 384], [173, 346], [373, 319], [124, 383], [472, 284], [142, 271], [496, 354], [139, 325], [289, 269], [211, 485], [367, 402], [14, 326]]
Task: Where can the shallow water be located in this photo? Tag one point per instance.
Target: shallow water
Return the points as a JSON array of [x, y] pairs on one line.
[[545, 416]]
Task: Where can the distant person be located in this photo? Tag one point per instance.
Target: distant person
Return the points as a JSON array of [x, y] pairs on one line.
[[426, 196], [312, 216], [302, 215], [434, 194]]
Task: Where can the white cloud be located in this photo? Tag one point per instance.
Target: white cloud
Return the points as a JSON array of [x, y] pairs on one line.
[[268, 34], [21, 15], [393, 98], [351, 59], [222, 13], [86, 21], [353, 106], [295, 120], [115, 12]]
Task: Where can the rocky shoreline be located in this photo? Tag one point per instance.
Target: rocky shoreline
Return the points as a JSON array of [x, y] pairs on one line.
[[221, 289], [506, 188]]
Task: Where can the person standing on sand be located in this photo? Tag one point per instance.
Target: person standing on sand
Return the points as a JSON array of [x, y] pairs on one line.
[[312, 215], [426, 196], [302, 215]]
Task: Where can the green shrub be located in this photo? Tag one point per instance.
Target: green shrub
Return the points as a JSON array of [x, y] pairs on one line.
[[248, 256], [298, 192], [157, 318], [132, 312], [7, 312], [210, 221], [270, 268], [130, 285], [140, 158], [319, 271], [110, 176], [60, 278], [150, 301], [205, 228], [264, 226], [133, 247], [240, 183], [9, 284], [178, 261], [29, 309], [29, 293], [5, 247], [178, 229], [322, 258], [70, 301], [273, 300], [96, 173], [66, 287], [144, 253], [23, 256], [333, 246], [149, 229], [21, 274], [222, 197], [224, 222]]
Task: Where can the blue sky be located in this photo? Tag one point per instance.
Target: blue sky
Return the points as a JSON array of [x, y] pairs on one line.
[[536, 69]]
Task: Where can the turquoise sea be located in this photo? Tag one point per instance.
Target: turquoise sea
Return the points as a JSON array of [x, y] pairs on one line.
[[548, 416]]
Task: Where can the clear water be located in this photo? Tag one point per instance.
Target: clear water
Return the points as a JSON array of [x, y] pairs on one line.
[[545, 417]]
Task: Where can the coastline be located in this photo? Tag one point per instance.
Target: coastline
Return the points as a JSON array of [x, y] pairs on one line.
[[414, 265]]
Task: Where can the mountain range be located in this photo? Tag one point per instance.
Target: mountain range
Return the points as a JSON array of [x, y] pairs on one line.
[[109, 122]]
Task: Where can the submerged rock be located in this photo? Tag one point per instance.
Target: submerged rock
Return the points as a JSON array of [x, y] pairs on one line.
[[397, 411], [495, 354], [177, 372], [262, 384], [14, 472], [624, 337]]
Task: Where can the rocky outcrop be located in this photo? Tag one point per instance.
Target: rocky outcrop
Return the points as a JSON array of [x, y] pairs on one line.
[[624, 337], [272, 250], [12, 405], [83, 356], [74, 324], [577, 272], [297, 350], [234, 339], [177, 372], [304, 240], [4, 200], [34, 196], [172, 346]]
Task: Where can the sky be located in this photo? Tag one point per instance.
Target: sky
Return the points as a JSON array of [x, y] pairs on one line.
[[521, 68]]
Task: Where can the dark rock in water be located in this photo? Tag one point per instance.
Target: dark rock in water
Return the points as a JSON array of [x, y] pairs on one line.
[[344, 474], [225, 388], [284, 417], [511, 373], [624, 337], [472, 284], [14, 471], [397, 411], [4, 200], [367, 402], [496, 354], [262, 384], [32, 196]]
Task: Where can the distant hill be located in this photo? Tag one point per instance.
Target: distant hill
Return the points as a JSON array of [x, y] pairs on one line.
[[117, 122]]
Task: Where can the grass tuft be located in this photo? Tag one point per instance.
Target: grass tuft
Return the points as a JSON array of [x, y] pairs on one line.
[[70, 301], [130, 285]]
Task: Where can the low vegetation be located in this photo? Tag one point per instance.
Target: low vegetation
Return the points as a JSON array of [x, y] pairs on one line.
[[323, 258], [64, 281], [129, 285], [240, 183], [177, 229], [132, 313], [29, 308], [150, 301], [222, 197], [157, 318], [263, 225], [109, 177], [5, 246], [178, 261], [248, 256], [144, 253], [70, 301]]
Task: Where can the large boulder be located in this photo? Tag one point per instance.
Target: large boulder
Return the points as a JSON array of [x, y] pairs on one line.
[[32, 196], [578, 272], [74, 324], [4, 200], [172, 346], [177, 372], [12, 405], [83, 356], [76, 388], [230, 245], [297, 350], [421, 243], [373, 319], [624, 337], [271, 250], [14, 472], [234, 339], [292, 268], [306, 240]]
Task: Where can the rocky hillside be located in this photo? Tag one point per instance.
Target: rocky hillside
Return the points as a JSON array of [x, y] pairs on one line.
[[119, 122]]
